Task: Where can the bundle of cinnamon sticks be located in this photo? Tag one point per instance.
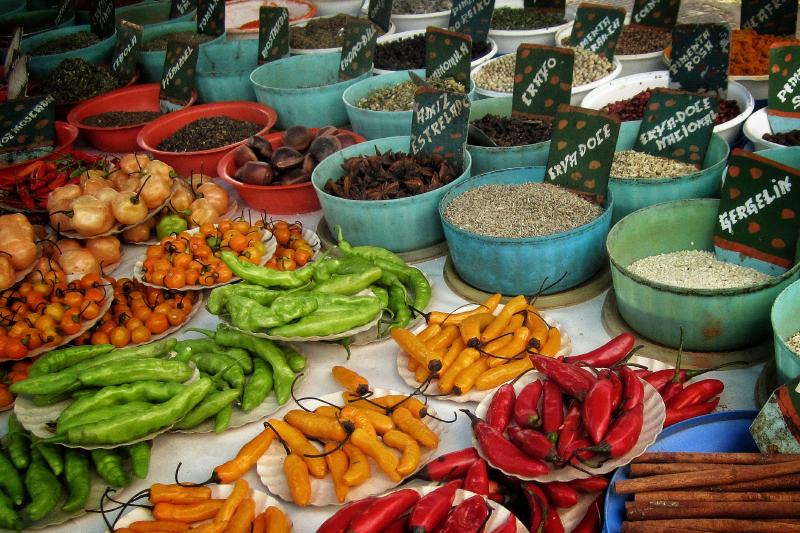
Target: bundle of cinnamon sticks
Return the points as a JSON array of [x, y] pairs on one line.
[[715, 492]]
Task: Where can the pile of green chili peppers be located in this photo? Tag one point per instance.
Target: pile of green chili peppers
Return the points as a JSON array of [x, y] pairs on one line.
[[323, 298]]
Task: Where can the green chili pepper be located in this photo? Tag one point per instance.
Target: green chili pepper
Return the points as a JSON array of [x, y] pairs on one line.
[[186, 348], [258, 386], [297, 361], [99, 415], [267, 277], [144, 391], [109, 466], [223, 365], [368, 252], [48, 384], [52, 455], [388, 279], [413, 278], [18, 443], [350, 284], [43, 488], [325, 269], [217, 298], [251, 316], [119, 372], [9, 519], [223, 419], [140, 423], [11, 481], [43, 400], [66, 357], [210, 406], [398, 306], [242, 358], [5, 501], [324, 322], [382, 294], [293, 306], [79, 484], [140, 458]]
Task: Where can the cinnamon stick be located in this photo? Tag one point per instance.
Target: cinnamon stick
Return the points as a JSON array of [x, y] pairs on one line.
[[637, 527], [720, 525], [716, 457], [654, 469], [706, 478], [703, 496], [789, 482], [663, 510]]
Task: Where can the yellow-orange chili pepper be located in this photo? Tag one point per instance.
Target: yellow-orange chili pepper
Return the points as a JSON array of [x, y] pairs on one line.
[[465, 380], [464, 359], [259, 524], [472, 326], [356, 416], [443, 340], [552, 344], [537, 325], [379, 421], [514, 306], [337, 464], [327, 410], [161, 526], [241, 490], [358, 470], [188, 513], [488, 306], [411, 454], [350, 380], [412, 364], [210, 527], [518, 345], [172, 493], [243, 518], [296, 471], [299, 444], [315, 426], [277, 521], [494, 377], [415, 348], [247, 457], [429, 332], [415, 427], [451, 354], [388, 402], [505, 336], [379, 453]]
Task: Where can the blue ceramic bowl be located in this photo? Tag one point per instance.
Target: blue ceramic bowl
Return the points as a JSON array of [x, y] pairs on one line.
[[40, 18], [42, 65], [223, 71], [524, 265], [400, 225], [785, 318], [150, 13], [486, 159], [379, 124], [282, 85], [632, 194], [151, 63]]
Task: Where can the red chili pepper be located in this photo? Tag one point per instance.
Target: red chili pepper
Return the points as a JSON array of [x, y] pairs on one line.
[[533, 443], [25, 197], [613, 377], [27, 170], [597, 409], [660, 378], [501, 407], [590, 484], [590, 523], [496, 492], [453, 465], [632, 387], [537, 501], [469, 516], [526, 408], [552, 409], [509, 526], [552, 522], [573, 380], [623, 433], [606, 355], [577, 452], [59, 180], [341, 519], [560, 494], [641, 372], [477, 479], [695, 393], [679, 415], [569, 431], [398, 525], [502, 453], [383, 511], [432, 509]]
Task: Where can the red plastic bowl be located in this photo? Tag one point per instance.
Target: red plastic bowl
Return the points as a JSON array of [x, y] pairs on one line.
[[204, 160], [115, 138], [65, 138], [274, 199]]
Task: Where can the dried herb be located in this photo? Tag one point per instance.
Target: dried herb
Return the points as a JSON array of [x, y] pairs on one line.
[[120, 118], [74, 41], [418, 7], [512, 131], [209, 133], [633, 108], [75, 79], [325, 32], [400, 96], [511, 18], [409, 53], [160, 43]]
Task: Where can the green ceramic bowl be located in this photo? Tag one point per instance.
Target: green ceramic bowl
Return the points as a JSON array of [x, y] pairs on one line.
[[223, 71], [150, 13], [713, 320], [151, 63], [785, 318], [33, 22], [42, 65]]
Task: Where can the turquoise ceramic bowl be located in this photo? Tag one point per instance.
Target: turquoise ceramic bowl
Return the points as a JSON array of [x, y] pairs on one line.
[[151, 64], [400, 225], [486, 159], [524, 265], [633, 194], [379, 124], [150, 14], [40, 66], [712, 319], [785, 318], [223, 71], [281, 86], [9, 7], [40, 20]]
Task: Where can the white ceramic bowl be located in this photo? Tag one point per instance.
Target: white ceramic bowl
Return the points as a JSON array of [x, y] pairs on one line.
[[334, 7], [755, 127], [239, 12], [439, 19], [406, 34], [301, 51], [758, 86], [509, 40], [578, 93], [629, 86]]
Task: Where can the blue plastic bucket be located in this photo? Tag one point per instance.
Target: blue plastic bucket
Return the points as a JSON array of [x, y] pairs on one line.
[[151, 63], [400, 225], [524, 265], [42, 65]]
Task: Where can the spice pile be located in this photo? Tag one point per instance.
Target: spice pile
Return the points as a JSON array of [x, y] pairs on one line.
[[510, 18], [409, 53], [518, 211], [498, 74], [419, 7], [633, 108], [750, 52], [74, 41], [400, 96], [75, 79], [794, 343], [642, 40], [633, 164], [209, 133], [324, 32], [390, 176], [788, 138], [695, 269], [513, 131], [114, 119], [188, 37]]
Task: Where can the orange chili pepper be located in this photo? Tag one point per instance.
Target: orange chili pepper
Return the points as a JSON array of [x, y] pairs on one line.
[[328, 410], [552, 344], [514, 306], [379, 453], [299, 444], [409, 461], [358, 469], [494, 377], [277, 521], [243, 518], [431, 331], [537, 325], [356, 416], [390, 401], [259, 524], [454, 319], [350, 380], [467, 357], [518, 345], [188, 513], [315, 426], [247, 457], [415, 427], [296, 471], [443, 339], [506, 335], [158, 525], [471, 327], [465, 380], [173, 493], [241, 490], [417, 349], [456, 348], [337, 464]]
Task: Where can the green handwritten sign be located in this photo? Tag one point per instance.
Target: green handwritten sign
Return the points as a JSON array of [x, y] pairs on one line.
[[27, 123], [597, 28], [542, 80], [552, 6], [12, 51], [101, 19], [66, 10], [448, 54], [699, 58], [677, 125], [178, 8], [439, 125], [211, 17], [757, 224], [129, 40], [783, 110], [178, 79], [18, 76], [656, 13], [773, 17], [358, 50], [581, 151], [472, 17], [380, 12], [273, 33]]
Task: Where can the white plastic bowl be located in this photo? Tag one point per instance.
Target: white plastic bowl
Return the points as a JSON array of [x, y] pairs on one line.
[[755, 127], [629, 86], [334, 7], [578, 93], [509, 40], [301, 51], [406, 34], [439, 19]]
